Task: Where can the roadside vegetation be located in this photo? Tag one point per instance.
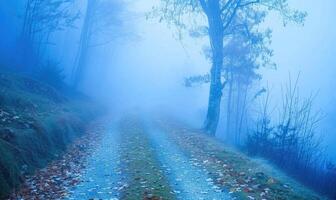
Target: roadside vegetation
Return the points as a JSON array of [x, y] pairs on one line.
[[233, 171], [37, 122], [293, 141]]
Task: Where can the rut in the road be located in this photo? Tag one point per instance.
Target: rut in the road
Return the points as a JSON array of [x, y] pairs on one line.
[[100, 177], [188, 181]]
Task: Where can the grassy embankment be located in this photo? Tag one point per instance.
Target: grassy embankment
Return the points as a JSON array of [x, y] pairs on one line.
[[232, 171], [37, 123]]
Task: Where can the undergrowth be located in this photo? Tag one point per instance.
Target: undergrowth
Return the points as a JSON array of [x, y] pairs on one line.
[[37, 122]]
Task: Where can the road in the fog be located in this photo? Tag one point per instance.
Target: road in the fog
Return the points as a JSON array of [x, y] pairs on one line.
[[138, 158], [99, 177], [156, 159]]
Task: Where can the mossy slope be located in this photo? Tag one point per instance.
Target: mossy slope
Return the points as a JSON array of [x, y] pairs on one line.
[[37, 123]]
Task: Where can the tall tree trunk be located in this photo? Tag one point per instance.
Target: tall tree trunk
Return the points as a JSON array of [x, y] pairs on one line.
[[229, 113], [25, 20], [237, 111], [25, 40], [83, 49], [216, 42], [243, 113]]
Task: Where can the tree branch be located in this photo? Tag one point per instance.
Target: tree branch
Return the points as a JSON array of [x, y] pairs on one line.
[[204, 6]]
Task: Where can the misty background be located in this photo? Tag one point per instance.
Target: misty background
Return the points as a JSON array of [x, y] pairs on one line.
[[158, 61]]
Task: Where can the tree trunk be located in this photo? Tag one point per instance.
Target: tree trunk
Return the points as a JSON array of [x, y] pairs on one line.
[[25, 43], [229, 105], [216, 42], [83, 49], [243, 112], [238, 107], [213, 113]]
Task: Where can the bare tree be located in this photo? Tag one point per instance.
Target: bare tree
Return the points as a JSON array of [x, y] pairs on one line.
[[102, 17], [245, 53], [218, 17], [42, 18], [246, 50]]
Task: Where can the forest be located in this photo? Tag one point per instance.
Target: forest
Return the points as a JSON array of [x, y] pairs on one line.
[[167, 99]]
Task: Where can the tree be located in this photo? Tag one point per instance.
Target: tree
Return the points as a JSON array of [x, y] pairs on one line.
[[246, 50], [42, 18], [219, 17], [102, 17]]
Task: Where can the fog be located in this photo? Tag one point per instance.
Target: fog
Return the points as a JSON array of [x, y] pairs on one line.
[[142, 57], [158, 62], [145, 65], [151, 63], [308, 51]]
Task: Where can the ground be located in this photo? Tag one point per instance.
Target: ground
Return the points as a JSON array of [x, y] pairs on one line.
[[137, 157]]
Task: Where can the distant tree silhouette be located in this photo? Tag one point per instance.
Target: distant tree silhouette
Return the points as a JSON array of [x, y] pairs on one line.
[[43, 18], [102, 17]]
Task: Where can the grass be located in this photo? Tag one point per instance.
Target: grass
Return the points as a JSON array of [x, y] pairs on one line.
[[232, 171], [37, 123], [144, 178]]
